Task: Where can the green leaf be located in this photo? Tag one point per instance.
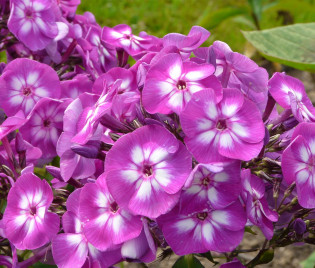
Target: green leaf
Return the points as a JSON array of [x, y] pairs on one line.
[[210, 20], [257, 7], [263, 257], [309, 262], [292, 45], [187, 261]]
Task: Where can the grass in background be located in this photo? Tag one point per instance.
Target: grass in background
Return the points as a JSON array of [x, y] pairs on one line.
[[224, 18]]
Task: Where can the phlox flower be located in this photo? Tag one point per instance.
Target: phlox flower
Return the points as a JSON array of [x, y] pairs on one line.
[[27, 222], [121, 36], [146, 169], [186, 44], [79, 251], [237, 71], [214, 185], [33, 22], [216, 230], [24, 82], [258, 211], [141, 248], [72, 164], [106, 224], [289, 92], [102, 54], [12, 123], [76, 86], [170, 82], [217, 130], [44, 125], [298, 163], [233, 264]]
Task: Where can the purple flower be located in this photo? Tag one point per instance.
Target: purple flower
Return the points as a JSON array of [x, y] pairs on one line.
[[121, 36], [237, 71], [258, 211], [298, 161], [170, 82], [186, 44], [141, 248], [76, 86], [289, 92], [217, 130], [106, 224], [73, 241], [102, 54], [24, 82], [146, 169], [216, 230], [44, 126], [12, 123], [211, 185], [27, 221], [233, 264], [33, 22], [72, 164]]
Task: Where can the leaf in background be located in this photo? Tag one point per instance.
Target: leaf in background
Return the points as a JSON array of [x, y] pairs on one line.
[[292, 45], [256, 6], [210, 19], [309, 262], [187, 261]]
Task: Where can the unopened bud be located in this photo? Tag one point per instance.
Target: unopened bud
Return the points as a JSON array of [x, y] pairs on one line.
[[92, 149], [299, 226], [289, 190]]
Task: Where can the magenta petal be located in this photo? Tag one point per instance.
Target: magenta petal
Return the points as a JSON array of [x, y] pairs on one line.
[[279, 86], [306, 193], [182, 233], [222, 240], [69, 250], [157, 203]]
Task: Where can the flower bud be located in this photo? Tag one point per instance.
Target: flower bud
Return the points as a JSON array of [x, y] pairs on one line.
[[299, 226]]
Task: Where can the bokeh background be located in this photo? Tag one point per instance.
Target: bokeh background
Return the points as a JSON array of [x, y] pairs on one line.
[[223, 18]]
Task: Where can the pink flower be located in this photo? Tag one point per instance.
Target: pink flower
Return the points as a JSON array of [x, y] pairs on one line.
[[170, 82], [33, 22], [298, 162], [28, 223], [72, 164], [44, 126], [258, 211], [121, 36], [289, 92], [106, 224], [214, 186], [186, 44], [146, 169], [73, 241], [217, 130], [24, 82], [216, 230]]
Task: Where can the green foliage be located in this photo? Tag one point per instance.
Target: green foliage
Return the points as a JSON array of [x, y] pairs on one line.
[[225, 19], [292, 45], [188, 261], [265, 256], [309, 262]]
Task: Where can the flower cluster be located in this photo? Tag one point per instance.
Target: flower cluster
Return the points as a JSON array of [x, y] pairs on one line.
[[103, 162]]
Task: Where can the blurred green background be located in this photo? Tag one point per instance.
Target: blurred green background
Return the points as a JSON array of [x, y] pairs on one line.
[[224, 18]]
